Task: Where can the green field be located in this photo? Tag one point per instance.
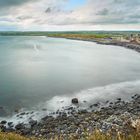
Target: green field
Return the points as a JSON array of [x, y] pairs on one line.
[[90, 33]]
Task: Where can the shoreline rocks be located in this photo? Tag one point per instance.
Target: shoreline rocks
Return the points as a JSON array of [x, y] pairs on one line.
[[115, 117]]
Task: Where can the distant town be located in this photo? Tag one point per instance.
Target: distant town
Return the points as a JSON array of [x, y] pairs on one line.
[[132, 38]]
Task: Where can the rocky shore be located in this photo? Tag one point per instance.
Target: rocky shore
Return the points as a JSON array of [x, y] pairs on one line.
[[129, 45], [115, 116]]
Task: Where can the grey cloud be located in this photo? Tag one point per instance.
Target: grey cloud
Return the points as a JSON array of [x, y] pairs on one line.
[[56, 10], [128, 2], [118, 1], [103, 12], [23, 17], [48, 10], [135, 16], [6, 20], [7, 3], [52, 10]]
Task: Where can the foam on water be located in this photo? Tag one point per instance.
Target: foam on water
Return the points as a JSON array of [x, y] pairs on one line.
[[87, 97], [122, 90], [36, 49]]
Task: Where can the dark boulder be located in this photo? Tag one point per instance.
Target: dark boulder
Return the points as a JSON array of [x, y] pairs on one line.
[[119, 99], [2, 128], [75, 101], [10, 124], [23, 113], [25, 131], [20, 126], [3, 122], [83, 111], [32, 123]]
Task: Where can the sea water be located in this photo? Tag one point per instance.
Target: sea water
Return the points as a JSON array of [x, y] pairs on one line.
[[43, 72]]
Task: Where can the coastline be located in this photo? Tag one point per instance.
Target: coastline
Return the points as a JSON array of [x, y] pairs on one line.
[[128, 45]]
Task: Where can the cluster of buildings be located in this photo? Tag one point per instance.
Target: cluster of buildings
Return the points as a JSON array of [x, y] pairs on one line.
[[133, 38]]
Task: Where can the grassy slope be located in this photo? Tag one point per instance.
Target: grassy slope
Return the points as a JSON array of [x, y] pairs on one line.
[[96, 136], [80, 36], [12, 136]]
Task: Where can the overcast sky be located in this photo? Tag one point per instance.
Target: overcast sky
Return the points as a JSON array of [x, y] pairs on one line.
[[69, 15]]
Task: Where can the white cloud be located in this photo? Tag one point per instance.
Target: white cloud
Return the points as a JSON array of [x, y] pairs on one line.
[[95, 14]]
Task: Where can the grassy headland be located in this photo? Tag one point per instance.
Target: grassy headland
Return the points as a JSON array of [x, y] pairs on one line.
[[126, 39]]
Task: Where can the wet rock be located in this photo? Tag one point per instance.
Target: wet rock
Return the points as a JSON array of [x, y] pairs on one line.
[[119, 99], [3, 128], [70, 108], [10, 124], [44, 109], [96, 105], [1, 107], [3, 122], [83, 111], [91, 106], [17, 115], [32, 122], [111, 103], [20, 126], [136, 97], [23, 113], [9, 130], [17, 110], [75, 101], [25, 131]]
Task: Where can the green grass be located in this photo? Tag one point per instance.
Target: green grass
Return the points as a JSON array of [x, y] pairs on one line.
[[100, 136], [45, 33], [80, 36], [13, 136], [97, 135]]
